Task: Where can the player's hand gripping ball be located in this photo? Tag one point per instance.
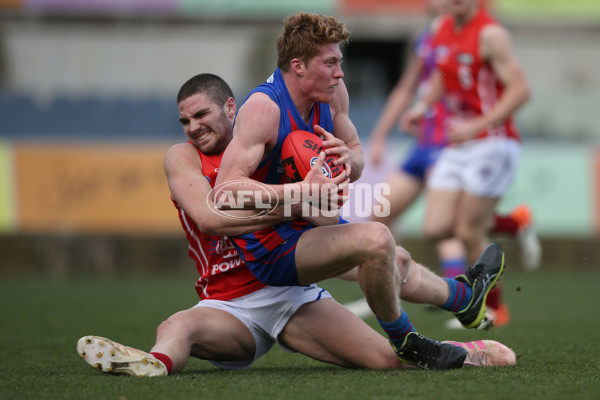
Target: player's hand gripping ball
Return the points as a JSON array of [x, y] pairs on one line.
[[299, 153]]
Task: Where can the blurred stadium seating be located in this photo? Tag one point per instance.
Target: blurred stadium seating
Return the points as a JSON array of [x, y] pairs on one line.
[[98, 71]]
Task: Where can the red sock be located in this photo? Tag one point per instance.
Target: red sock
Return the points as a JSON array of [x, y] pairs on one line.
[[165, 360], [494, 298], [504, 224]]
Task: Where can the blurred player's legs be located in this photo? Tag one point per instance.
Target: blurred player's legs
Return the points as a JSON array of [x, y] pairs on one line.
[[531, 250], [519, 225], [453, 261], [404, 190]]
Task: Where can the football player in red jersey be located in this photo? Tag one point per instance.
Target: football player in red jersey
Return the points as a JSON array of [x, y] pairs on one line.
[[238, 318], [482, 84]]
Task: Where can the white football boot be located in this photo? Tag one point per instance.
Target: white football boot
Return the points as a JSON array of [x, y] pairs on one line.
[[114, 358]]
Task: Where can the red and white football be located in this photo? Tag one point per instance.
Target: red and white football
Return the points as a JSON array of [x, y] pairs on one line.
[[299, 153]]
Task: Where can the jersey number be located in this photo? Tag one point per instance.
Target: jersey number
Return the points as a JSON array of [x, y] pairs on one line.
[[464, 77]]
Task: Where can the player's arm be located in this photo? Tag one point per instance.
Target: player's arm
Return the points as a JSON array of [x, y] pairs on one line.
[[397, 101], [417, 111], [255, 132], [348, 147], [192, 191], [496, 49]]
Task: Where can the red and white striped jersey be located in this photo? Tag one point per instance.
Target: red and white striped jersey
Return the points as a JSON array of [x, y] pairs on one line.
[[470, 86], [223, 273]]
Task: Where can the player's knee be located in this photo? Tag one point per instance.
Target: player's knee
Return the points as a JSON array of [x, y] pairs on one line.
[[436, 233], [164, 328], [466, 234], [403, 259], [378, 239], [175, 324]]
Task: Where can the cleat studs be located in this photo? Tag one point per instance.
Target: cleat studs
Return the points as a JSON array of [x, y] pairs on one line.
[[88, 340], [112, 352], [144, 361], [83, 354], [156, 363], [101, 343], [110, 369], [98, 366], [99, 354]]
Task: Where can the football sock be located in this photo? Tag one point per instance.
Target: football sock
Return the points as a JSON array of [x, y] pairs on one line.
[[494, 298], [452, 267], [460, 295], [398, 329], [165, 359], [505, 224]]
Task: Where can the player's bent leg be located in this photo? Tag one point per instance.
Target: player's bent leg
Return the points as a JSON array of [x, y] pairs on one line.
[[202, 332], [440, 213], [422, 286], [341, 248], [206, 333], [328, 332], [419, 284], [371, 246], [472, 223]]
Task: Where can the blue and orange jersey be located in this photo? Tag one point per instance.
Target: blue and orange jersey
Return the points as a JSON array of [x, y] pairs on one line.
[[432, 132], [255, 245]]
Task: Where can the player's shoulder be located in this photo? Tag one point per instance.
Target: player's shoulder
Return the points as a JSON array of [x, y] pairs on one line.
[[259, 110], [182, 154], [494, 30], [436, 24], [494, 39], [180, 149], [259, 101]]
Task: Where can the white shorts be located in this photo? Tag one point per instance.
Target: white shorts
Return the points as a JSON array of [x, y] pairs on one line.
[[483, 167], [265, 313]]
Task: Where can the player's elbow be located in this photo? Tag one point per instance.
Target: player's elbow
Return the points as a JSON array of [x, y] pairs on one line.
[[356, 171], [209, 223]]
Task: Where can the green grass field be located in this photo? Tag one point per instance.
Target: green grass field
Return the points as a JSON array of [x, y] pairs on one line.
[[555, 328]]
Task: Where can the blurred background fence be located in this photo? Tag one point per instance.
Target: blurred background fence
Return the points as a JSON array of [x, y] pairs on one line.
[[87, 111]]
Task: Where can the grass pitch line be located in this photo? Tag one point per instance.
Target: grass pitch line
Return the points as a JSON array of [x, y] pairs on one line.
[[360, 308]]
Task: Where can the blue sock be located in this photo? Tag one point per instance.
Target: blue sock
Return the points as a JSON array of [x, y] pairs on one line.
[[452, 267], [398, 329], [460, 295]]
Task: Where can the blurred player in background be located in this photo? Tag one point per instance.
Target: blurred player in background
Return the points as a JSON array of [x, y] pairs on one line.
[[239, 318], [481, 85], [407, 182], [307, 92]]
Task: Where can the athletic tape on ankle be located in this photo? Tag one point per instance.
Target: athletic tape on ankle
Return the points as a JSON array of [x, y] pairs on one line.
[[412, 280]]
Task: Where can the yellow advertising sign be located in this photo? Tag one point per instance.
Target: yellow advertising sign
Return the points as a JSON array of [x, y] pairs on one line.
[[8, 213], [93, 188]]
